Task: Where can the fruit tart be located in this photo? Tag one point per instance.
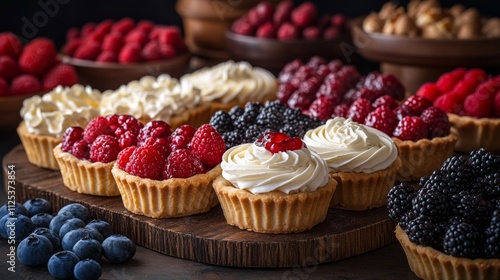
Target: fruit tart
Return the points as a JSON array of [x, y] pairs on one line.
[[265, 184], [170, 173]]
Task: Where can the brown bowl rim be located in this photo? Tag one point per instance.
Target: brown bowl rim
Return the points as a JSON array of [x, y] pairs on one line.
[[272, 41]]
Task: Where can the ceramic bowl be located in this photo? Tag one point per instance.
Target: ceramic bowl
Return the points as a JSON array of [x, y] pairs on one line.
[[10, 107]]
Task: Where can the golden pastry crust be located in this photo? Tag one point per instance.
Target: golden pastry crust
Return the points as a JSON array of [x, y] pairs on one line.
[[362, 191], [476, 133], [84, 176], [176, 197], [422, 157], [273, 212], [429, 263], [39, 147]]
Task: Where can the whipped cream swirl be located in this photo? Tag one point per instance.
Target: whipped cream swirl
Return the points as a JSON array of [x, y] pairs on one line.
[[55, 111], [257, 170], [348, 146], [233, 81]]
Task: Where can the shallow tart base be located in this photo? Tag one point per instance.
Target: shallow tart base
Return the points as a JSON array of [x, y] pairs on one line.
[[38, 147], [476, 133]]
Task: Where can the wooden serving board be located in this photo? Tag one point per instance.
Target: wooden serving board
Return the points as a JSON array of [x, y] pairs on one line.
[[206, 237]]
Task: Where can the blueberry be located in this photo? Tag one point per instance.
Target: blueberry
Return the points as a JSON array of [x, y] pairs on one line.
[[78, 210], [118, 248], [3, 221], [16, 226], [34, 250], [69, 240], [62, 263], [38, 205], [41, 220], [70, 225], [51, 236], [103, 227], [17, 209], [58, 220], [88, 248], [87, 269]]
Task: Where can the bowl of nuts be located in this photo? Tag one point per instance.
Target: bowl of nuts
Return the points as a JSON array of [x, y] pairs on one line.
[[423, 40]]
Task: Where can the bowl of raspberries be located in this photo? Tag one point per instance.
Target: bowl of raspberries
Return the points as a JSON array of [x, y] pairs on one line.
[[111, 53], [270, 36]]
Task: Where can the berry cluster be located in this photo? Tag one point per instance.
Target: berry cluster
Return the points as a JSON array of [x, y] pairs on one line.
[[325, 89], [247, 124], [69, 243], [456, 209], [124, 41], [163, 154], [289, 22], [465, 92], [32, 67], [276, 142]]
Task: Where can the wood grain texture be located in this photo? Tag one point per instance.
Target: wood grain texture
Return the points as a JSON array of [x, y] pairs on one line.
[[206, 237]]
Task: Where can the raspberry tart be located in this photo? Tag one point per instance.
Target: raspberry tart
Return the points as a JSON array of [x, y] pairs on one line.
[[170, 173], [363, 160], [263, 184], [86, 155]]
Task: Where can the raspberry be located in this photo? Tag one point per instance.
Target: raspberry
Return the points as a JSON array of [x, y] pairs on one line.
[[61, 74], [300, 100], [392, 86], [130, 53], [25, 83], [106, 57], [37, 56], [146, 162], [321, 108], [385, 100], [127, 139], [287, 31], [182, 163], [4, 87], [123, 26], [124, 156], [304, 15], [167, 51], [311, 33], [383, 119], [88, 28], [136, 36], [370, 94], [155, 129], [285, 90], [70, 136], [160, 144], [475, 76], [429, 91], [478, 106], [243, 27], [8, 67], [340, 110], [10, 45], [334, 90], [81, 150], [103, 27], [331, 33], [359, 110], [282, 12], [464, 88], [105, 148], [437, 122], [276, 142], [124, 123], [449, 102], [181, 136], [458, 73], [72, 34], [71, 46], [97, 126], [145, 25], [266, 30], [446, 82], [170, 35], [411, 128], [416, 104], [151, 51], [95, 37], [208, 145], [338, 20], [112, 42], [88, 51], [497, 104]]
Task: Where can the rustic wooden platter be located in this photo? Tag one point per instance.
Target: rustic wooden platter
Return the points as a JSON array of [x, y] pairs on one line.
[[207, 238]]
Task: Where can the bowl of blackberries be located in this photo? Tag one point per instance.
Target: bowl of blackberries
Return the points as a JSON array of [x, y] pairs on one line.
[[270, 36]]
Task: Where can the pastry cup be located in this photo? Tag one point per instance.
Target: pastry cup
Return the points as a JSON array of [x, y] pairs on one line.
[[273, 212], [476, 133], [176, 197], [422, 157], [429, 263], [362, 191], [38, 147], [84, 176]]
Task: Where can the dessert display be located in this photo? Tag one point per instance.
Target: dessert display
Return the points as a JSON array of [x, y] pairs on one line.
[[472, 100], [449, 227], [170, 173], [428, 19], [363, 160], [87, 154], [46, 117], [266, 183]]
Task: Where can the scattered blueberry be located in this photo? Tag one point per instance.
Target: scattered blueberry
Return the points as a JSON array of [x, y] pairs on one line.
[[58, 220], [3, 230], [88, 248], [70, 225], [38, 205], [62, 263], [18, 209], [69, 240], [51, 236], [103, 227], [78, 210], [41, 220], [34, 250], [118, 248], [87, 269], [19, 226]]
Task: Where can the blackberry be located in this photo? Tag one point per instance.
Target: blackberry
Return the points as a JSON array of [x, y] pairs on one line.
[[462, 240], [252, 109], [440, 182], [471, 207], [406, 218], [458, 169], [399, 200], [484, 162], [252, 133], [221, 121], [231, 138], [491, 183], [270, 117], [291, 130], [432, 204], [244, 120], [235, 112], [492, 236], [425, 231]]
